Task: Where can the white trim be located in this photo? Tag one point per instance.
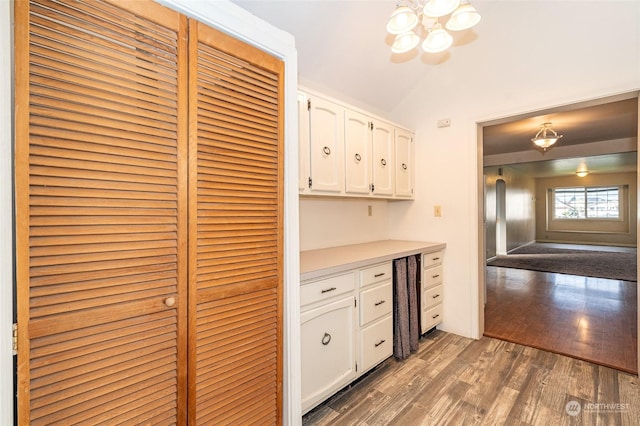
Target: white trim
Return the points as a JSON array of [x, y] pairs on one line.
[[6, 213]]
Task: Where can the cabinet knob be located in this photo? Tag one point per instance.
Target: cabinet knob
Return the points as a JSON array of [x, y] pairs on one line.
[[358, 157], [326, 339], [326, 150], [383, 162], [170, 301], [404, 166]]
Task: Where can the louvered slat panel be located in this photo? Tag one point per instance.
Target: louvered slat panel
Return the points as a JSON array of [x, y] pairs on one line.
[[235, 365], [104, 201]]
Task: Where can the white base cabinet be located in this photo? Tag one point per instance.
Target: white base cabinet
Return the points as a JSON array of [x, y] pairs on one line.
[[376, 320], [327, 336], [431, 292], [346, 329]]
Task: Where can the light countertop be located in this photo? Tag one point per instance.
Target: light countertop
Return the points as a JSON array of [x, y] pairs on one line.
[[333, 260]]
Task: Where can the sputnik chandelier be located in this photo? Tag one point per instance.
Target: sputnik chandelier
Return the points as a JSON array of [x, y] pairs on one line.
[[408, 13]]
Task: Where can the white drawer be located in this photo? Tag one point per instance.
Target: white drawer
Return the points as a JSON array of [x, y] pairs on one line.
[[376, 343], [432, 297], [432, 259], [324, 289], [431, 318], [375, 274], [432, 277], [375, 302]]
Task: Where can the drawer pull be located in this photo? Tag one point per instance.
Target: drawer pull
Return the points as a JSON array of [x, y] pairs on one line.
[[326, 339], [326, 150], [379, 275], [435, 276], [379, 303], [358, 157], [327, 290], [436, 296], [435, 258], [383, 162], [434, 317], [379, 343]]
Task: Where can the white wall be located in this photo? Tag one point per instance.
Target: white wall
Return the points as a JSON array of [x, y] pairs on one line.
[[584, 50], [328, 222], [6, 216]]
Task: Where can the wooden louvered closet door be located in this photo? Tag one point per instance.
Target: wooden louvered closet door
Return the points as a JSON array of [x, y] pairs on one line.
[[235, 225], [101, 209], [149, 218]]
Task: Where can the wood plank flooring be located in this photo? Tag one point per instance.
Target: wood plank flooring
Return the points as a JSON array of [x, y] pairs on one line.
[[453, 380], [593, 319]]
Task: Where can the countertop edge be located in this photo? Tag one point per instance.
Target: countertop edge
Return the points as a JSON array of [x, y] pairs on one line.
[[334, 260]]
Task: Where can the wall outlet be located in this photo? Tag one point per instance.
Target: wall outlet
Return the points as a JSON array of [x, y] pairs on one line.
[[437, 211]]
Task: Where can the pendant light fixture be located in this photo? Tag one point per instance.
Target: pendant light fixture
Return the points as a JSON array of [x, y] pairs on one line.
[[545, 137], [403, 23]]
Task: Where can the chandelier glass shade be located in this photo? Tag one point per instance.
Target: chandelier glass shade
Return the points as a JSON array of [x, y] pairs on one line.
[[404, 20], [545, 137], [438, 40]]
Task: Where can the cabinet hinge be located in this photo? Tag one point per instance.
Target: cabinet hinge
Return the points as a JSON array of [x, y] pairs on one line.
[[371, 125], [356, 367], [309, 182], [372, 188], [15, 339], [308, 104], [355, 302]]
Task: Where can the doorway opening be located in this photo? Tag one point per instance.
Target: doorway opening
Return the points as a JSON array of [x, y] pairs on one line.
[[558, 160]]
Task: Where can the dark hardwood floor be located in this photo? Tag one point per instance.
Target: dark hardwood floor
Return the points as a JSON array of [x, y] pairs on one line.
[[454, 380], [593, 319]]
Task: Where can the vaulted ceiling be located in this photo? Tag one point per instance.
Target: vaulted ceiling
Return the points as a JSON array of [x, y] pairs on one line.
[[344, 51]]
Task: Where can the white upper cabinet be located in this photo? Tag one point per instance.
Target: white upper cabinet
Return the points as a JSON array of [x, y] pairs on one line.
[[345, 151], [303, 143], [357, 129], [326, 134], [382, 160], [404, 169]]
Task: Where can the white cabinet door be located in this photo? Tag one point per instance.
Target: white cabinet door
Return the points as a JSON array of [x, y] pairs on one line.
[[382, 159], [327, 347], [404, 164], [303, 143], [326, 130], [357, 130]]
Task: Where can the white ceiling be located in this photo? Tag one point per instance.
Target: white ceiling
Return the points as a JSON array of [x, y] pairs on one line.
[[344, 51]]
